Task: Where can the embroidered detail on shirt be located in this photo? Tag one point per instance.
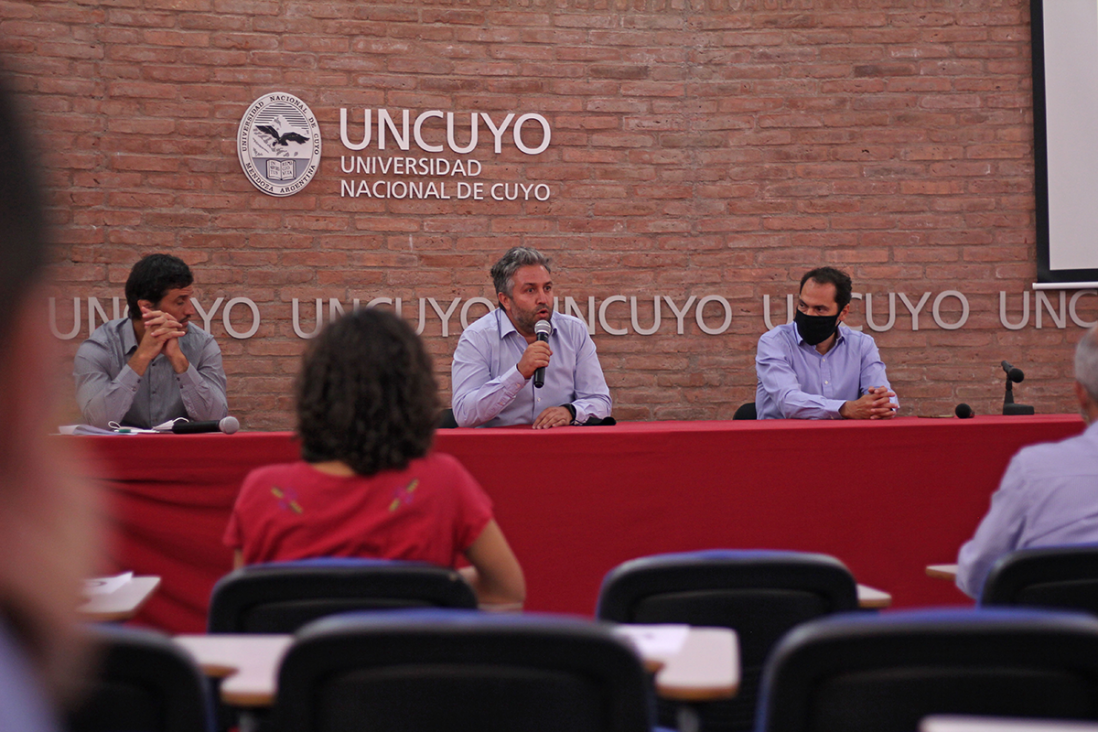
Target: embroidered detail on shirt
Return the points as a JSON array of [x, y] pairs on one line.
[[287, 499], [403, 496]]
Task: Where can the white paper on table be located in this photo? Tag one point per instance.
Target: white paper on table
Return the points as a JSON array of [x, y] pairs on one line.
[[655, 641], [106, 585], [87, 429]]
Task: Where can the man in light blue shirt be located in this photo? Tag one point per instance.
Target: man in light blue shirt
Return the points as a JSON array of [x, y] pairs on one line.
[[1049, 493], [497, 356], [817, 368]]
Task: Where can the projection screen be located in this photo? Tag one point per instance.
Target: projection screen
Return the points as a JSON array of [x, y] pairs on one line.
[[1065, 101]]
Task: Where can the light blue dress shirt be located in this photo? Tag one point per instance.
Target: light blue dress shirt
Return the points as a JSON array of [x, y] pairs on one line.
[[108, 390], [1047, 497], [23, 704], [796, 382], [489, 391]]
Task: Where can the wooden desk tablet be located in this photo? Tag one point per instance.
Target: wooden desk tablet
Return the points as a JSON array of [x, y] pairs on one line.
[[246, 664], [870, 598], [949, 723], [942, 571], [122, 604], [706, 667]]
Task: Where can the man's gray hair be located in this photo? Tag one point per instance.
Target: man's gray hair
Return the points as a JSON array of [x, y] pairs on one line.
[[503, 271], [1086, 362]]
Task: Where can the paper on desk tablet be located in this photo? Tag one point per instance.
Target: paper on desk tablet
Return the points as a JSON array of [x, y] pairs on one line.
[[105, 585], [655, 641]]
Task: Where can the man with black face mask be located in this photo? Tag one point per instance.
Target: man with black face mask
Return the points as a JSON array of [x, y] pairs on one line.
[[816, 368]]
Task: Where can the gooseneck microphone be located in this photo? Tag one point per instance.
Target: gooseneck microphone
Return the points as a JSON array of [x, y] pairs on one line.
[[963, 411], [1013, 374], [228, 425], [542, 329]]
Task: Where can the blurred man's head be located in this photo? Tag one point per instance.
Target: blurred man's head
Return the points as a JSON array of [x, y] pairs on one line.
[[1086, 374], [47, 539]]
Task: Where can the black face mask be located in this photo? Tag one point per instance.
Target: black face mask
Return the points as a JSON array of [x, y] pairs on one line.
[[815, 328]]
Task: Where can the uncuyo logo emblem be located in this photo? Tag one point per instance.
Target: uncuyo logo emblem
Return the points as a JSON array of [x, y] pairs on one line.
[[279, 144]]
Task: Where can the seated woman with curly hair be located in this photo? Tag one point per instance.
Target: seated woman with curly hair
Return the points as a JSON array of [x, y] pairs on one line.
[[368, 485]]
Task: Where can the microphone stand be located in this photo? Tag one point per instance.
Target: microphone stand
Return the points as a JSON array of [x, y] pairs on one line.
[[1009, 407]]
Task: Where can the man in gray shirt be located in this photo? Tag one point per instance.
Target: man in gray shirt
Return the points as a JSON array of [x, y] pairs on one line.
[[151, 367]]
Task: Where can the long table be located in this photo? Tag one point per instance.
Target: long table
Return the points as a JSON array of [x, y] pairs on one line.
[[887, 498]]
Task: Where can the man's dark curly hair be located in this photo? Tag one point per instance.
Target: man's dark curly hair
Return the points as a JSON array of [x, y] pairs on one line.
[[152, 277], [366, 394]]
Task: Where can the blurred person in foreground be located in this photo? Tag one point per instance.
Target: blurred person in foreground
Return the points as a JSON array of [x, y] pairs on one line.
[[48, 537], [1047, 496], [368, 484]]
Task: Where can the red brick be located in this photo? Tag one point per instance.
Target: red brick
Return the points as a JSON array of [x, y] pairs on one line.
[[143, 163], [214, 22]]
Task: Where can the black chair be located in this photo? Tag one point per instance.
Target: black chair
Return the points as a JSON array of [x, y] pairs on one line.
[[1054, 577], [883, 673], [461, 671], [747, 410], [759, 594], [143, 683], [282, 596], [446, 420]]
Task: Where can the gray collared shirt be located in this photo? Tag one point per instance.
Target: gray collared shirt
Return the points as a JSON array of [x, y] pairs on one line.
[[108, 390]]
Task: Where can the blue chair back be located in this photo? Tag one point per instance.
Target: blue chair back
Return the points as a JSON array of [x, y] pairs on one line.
[[1063, 577], [460, 671], [759, 594], [143, 683], [884, 673], [280, 597]]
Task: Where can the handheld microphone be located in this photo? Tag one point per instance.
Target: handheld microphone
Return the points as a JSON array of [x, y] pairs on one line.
[[228, 425], [1012, 373], [963, 411], [542, 329]]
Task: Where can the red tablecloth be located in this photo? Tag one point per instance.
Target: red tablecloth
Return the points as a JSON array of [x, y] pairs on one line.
[[887, 498]]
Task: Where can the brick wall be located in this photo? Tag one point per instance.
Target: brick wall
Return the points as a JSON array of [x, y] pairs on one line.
[[708, 150]]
